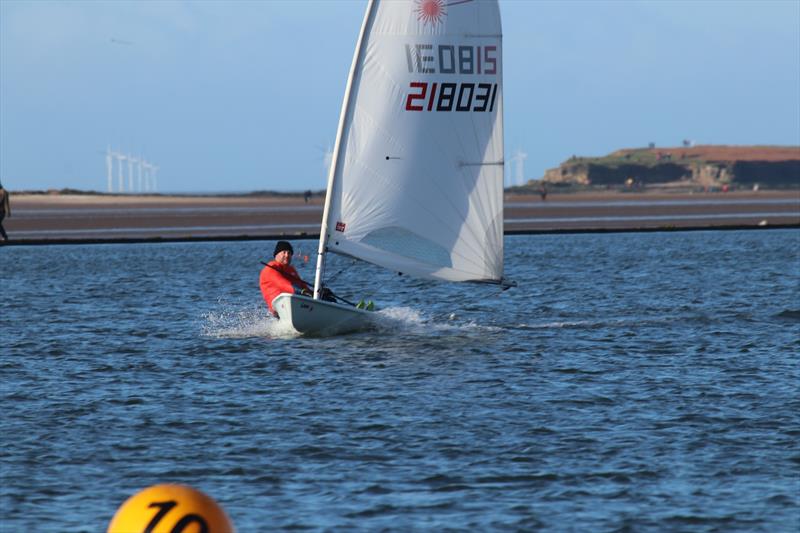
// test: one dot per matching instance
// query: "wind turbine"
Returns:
(131, 161)
(520, 158)
(120, 158)
(327, 160)
(140, 161)
(145, 168)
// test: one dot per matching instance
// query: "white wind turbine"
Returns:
(131, 161)
(140, 160)
(327, 160)
(145, 168)
(120, 158)
(520, 158)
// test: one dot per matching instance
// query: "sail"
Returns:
(417, 183)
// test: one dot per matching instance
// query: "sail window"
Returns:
(403, 242)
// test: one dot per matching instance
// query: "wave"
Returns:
(596, 324)
(789, 314)
(556, 325)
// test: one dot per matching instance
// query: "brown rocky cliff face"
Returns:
(706, 166)
(711, 175)
(597, 174)
(783, 173)
(573, 174)
(663, 173)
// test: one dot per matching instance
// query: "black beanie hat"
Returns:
(281, 246)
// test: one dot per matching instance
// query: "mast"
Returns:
(335, 169)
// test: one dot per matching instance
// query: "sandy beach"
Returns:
(51, 219)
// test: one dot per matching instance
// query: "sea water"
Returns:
(632, 381)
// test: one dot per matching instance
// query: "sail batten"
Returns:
(417, 185)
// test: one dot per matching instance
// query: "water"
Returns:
(631, 382)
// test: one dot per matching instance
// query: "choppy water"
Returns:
(631, 382)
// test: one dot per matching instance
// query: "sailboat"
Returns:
(416, 178)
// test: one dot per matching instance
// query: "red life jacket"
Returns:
(278, 279)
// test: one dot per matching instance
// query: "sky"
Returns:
(245, 95)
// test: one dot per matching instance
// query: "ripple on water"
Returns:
(622, 386)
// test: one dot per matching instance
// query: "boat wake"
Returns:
(236, 322)
(596, 324)
(565, 324)
(408, 320)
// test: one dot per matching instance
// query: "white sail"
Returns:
(417, 181)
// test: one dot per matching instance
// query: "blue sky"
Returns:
(245, 95)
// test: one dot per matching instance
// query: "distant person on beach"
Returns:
(307, 196)
(5, 209)
(280, 277)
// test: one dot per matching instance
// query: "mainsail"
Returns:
(416, 182)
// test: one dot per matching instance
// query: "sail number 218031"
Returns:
(455, 62)
(435, 96)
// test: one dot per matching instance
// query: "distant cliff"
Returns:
(703, 166)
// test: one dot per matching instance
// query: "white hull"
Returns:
(318, 317)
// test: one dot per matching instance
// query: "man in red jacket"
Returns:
(279, 276)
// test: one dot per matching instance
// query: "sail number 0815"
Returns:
(435, 96)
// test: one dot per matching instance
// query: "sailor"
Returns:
(279, 276)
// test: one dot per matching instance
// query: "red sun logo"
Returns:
(431, 11)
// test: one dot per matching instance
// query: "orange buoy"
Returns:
(170, 508)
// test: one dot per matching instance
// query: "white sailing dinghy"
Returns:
(416, 179)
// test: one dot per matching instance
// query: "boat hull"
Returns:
(318, 317)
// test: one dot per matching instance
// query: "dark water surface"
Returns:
(632, 381)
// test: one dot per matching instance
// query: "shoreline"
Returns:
(311, 236)
(120, 219)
